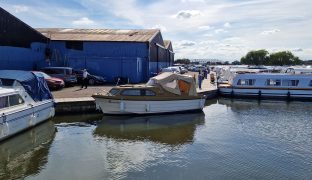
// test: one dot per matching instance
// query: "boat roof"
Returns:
(167, 77)
(275, 75)
(7, 91)
(35, 85)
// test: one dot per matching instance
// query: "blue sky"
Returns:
(223, 29)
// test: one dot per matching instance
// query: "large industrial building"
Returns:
(132, 54)
(21, 46)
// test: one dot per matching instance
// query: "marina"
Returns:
(230, 139)
(156, 90)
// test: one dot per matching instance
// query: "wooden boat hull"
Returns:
(124, 107)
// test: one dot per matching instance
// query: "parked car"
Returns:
(64, 73)
(92, 79)
(172, 69)
(184, 70)
(53, 83)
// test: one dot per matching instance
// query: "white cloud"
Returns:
(84, 21)
(227, 25)
(208, 35)
(186, 14)
(192, 1)
(205, 27)
(185, 43)
(159, 26)
(217, 31)
(297, 50)
(269, 32)
(20, 8)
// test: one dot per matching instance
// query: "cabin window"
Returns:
(113, 92)
(290, 82)
(310, 84)
(273, 82)
(131, 92)
(4, 102)
(246, 82)
(149, 93)
(138, 92)
(15, 99)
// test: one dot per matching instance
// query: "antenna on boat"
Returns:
(117, 82)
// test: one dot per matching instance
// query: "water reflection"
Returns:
(171, 129)
(276, 121)
(26, 154)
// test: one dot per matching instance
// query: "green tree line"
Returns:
(263, 57)
(182, 61)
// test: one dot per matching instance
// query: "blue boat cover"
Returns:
(35, 85)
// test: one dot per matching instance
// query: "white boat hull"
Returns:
(24, 117)
(110, 106)
(267, 93)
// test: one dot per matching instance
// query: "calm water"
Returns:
(230, 140)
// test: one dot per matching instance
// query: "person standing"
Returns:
(200, 79)
(205, 73)
(84, 79)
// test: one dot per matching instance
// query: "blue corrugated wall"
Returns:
(17, 58)
(108, 59)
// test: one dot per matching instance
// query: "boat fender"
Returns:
(122, 106)
(147, 108)
(288, 95)
(232, 93)
(7, 129)
(201, 103)
(259, 94)
(5, 126)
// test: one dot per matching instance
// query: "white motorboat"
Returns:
(165, 93)
(25, 101)
(287, 86)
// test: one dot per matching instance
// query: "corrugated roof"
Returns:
(134, 35)
(167, 43)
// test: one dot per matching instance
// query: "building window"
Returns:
(76, 45)
(246, 82)
(273, 82)
(288, 82)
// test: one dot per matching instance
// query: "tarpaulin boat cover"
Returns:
(167, 81)
(35, 85)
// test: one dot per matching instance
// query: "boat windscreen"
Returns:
(151, 82)
(35, 85)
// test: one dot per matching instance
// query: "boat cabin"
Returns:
(271, 80)
(165, 85)
(9, 98)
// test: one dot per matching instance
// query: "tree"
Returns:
(284, 58)
(226, 63)
(182, 61)
(262, 57)
(236, 63)
(259, 57)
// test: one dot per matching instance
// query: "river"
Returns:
(230, 139)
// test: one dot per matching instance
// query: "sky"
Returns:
(198, 29)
